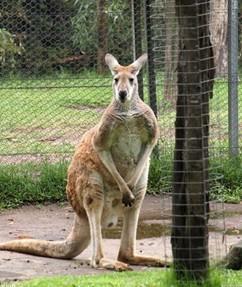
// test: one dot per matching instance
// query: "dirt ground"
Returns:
(54, 222)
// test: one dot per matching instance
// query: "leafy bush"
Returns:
(229, 187)
(225, 178)
(8, 50)
(119, 28)
(160, 172)
(43, 28)
(53, 31)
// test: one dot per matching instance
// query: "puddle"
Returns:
(149, 230)
(144, 231)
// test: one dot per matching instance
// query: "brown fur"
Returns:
(107, 178)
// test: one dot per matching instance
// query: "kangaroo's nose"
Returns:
(122, 95)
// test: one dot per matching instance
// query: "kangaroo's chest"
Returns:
(128, 143)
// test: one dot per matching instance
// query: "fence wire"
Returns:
(55, 85)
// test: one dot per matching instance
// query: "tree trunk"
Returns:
(102, 34)
(190, 191)
(219, 31)
(240, 31)
(136, 6)
(150, 50)
(171, 53)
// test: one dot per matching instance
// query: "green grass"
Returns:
(217, 278)
(225, 175)
(32, 183)
(49, 114)
(227, 188)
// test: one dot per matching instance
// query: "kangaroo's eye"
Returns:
(116, 80)
(131, 80)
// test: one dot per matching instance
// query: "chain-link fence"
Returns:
(55, 85)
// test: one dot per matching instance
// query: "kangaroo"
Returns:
(107, 178)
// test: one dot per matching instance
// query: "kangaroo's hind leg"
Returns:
(94, 204)
(130, 224)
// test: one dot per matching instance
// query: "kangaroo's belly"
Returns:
(126, 152)
(127, 148)
(113, 208)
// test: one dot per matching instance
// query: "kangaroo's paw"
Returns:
(144, 261)
(128, 199)
(112, 265)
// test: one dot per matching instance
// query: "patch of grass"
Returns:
(160, 172)
(225, 181)
(158, 278)
(49, 115)
(45, 182)
(32, 183)
(229, 187)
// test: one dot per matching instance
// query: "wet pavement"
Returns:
(54, 222)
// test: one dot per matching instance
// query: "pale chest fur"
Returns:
(128, 142)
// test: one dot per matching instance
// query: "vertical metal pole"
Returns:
(133, 29)
(151, 66)
(137, 38)
(233, 48)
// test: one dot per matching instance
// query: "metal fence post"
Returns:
(136, 6)
(233, 48)
(151, 66)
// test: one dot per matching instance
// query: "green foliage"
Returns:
(43, 28)
(225, 194)
(52, 31)
(160, 172)
(240, 32)
(225, 183)
(119, 28)
(85, 33)
(32, 183)
(229, 187)
(45, 182)
(8, 50)
(48, 34)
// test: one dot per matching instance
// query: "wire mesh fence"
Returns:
(54, 83)
(55, 86)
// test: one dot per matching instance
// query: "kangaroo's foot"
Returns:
(143, 261)
(110, 264)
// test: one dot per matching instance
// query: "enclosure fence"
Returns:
(54, 83)
(54, 86)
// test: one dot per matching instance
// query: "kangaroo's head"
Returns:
(125, 84)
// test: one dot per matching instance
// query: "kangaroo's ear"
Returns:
(138, 64)
(112, 63)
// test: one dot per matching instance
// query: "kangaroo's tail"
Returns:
(73, 245)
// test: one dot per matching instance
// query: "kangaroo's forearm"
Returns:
(140, 166)
(108, 162)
